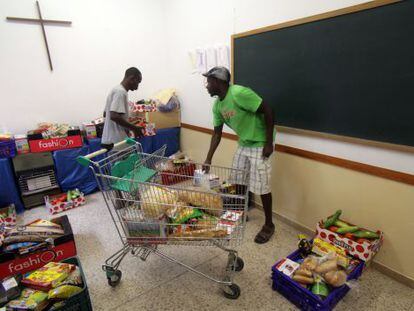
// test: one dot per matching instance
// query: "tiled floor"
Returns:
(157, 284)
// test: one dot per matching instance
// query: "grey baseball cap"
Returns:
(221, 73)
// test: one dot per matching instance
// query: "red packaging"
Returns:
(8, 215)
(364, 249)
(64, 247)
(63, 205)
(59, 143)
(171, 177)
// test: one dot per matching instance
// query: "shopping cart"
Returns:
(155, 201)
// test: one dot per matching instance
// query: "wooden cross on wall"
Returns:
(42, 23)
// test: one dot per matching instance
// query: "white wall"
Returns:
(108, 36)
(89, 57)
(194, 23)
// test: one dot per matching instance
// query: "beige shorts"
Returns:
(259, 168)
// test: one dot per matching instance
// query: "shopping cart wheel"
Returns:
(232, 291)
(239, 265)
(114, 278)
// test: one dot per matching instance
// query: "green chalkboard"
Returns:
(350, 75)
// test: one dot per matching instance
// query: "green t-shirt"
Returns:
(238, 111)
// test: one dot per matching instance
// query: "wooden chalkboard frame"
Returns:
(335, 13)
(373, 170)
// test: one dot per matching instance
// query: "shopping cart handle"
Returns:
(86, 159)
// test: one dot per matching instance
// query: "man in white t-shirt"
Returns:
(117, 127)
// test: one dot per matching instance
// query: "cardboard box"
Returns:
(90, 130)
(164, 120)
(8, 215)
(364, 251)
(61, 207)
(142, 107)
(64, 247)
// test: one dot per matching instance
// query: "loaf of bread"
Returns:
(156, 200)
(201, 234)
(208, 200)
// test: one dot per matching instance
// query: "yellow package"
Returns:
(64, 292)
(48, 276)
(323, 248)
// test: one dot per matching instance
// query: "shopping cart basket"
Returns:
(155, 201)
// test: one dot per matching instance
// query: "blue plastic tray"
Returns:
(304, 298)
(8, 149)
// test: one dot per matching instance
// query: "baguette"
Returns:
(330, 265)
(302, 279)
(304, 272)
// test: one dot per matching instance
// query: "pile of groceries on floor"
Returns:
(319, 273)
(39, 269)
(51, 287)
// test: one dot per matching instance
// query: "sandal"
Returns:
(264, 234)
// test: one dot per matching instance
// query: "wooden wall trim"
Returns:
(352, 165)
(207, 131)
(335, 13)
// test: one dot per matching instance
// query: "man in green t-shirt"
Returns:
(244, 111)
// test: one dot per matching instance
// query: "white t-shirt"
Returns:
(116, 101)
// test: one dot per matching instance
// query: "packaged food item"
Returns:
(29, 299)
(229, 226)
(287, 266)
(304, 272)
(16, 246)
(304, 245)
(29, 249)
(320, 289)
(186, 213)
(22, 144)
(228, 188)
(57, 305)
(74, 278)
(23, 238)
(210, 201)
(49, 276)
(9, 289)
(156, 200)
(90, 130)
(35, 230)
(201, 234)
(173, 210)
(303, 279)
(206, 180)
(206, 221)
(234, 216)
(353, 263)
(64, 292)
(335, 278)
(329, 265)
(310, 263)
(44, 223)
(323, 248)
(8, 215)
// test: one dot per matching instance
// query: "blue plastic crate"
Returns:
(7, 149)
(304, 298)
